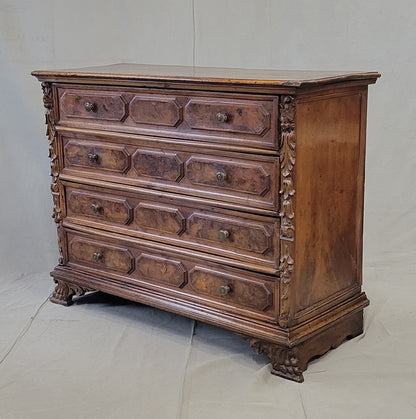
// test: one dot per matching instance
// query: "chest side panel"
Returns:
(329, 192)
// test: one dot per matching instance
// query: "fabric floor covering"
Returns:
(105, 357)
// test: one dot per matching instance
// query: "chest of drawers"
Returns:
(233, 197)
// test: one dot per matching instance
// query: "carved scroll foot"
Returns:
(64, 291)
(290, 363)
(286, 363)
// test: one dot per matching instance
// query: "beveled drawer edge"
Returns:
(191, 199)
(158, 246)
(215, 316)
(166, 140)
(178, 294)
(163, 139)
(262, 266)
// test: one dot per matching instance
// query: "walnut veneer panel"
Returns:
(245, 237)
(233, 197)
(234, 179)
(228, 118)
(229, 289)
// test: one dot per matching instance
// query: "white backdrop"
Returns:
(371, 35)
(322, 35)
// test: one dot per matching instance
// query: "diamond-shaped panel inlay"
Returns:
(155, 164)
(160, 269)
(161, 218)
(155, 110)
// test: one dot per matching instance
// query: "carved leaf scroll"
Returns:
(287, 163)
(287, 202)
(285, 361)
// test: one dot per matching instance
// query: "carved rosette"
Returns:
(286, 363)
(287, 202)
(64, 291)
(56, 187)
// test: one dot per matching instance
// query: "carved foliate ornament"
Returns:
(64, 291)
(287, 202)
(287, 163)
(285, 361)
(56, 187)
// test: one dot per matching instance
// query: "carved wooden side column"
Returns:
(287, 362)
(287, 205)
(64, 291)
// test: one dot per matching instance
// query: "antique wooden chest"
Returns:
(231, 196)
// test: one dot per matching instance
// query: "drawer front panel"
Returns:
(215, 283)
(242, 235)
(233, 116)
(230, 234)
(110, 106)
(250, 178)
(107, 208)
(229, 178)
(226, 288)
(95, 254)
(240, 119)
(96, 156)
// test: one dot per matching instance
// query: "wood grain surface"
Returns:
(229, 196)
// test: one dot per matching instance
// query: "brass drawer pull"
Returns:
(97, 257)
(221, 117)
(221, 176)
(223, 235)
(95, 208)
(224, 290)
(93, 158)
(90, 107)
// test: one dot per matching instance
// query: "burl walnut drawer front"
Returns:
(240, 178)
(231, 234)
(230, 118)
(227, 288)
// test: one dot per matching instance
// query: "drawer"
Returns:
(240, 119)
(207, 283)
(228, 178)
(228, 233)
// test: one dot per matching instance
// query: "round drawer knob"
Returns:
(223, 235)
(221, 176)
(93, 158)
(89, 106)
(224, 290)
(221, 117)
(95, 208)
(97, 257)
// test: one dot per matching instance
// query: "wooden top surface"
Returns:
(189, 74)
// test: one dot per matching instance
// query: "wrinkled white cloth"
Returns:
(105, 357)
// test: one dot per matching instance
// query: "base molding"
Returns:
(291, 362)
(289, 350)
